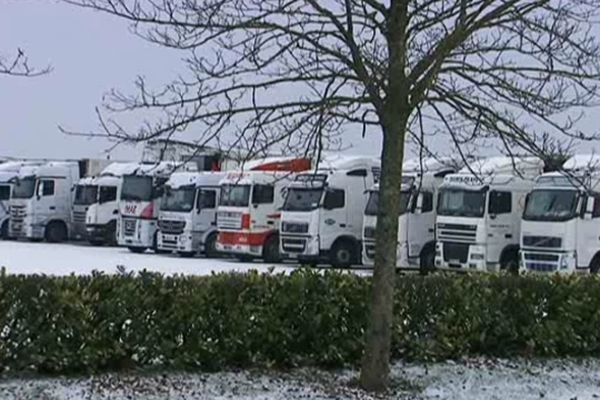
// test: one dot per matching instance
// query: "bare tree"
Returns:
(297, 74)
(18, 65)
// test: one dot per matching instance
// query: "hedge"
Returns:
(111, 322)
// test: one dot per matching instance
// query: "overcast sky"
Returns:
(91, 53)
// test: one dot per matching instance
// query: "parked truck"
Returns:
(322, 216)
(249, 215)
(561, 221)
(479, 214)
(188, 213)
(86, 194)
(421, 180)
(9, 170)
(42, 199)
(102, 215)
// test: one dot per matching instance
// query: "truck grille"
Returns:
(17, 216)
(79, 217)
(293, 245)
(369, 232)
(454, 252)
(294, 227)
(541, 262)
(229, 220)
(457, 233)
(129, 226)
(370, 250)
(542, 241)
(171, 227)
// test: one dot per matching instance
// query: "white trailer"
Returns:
(421, 180)
(249, 216)
(42, 199)
(561, 222)
(322, 217)
(188, 213)
(479, 214)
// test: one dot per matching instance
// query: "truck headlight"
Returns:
(477, 256)
(564, 261)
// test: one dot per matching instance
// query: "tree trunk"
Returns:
(375, 367)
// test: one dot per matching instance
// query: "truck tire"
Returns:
(595, 265)
(510, 262)
(56, 232)
(343, 254)
(427, 260)
(271, 250)
(137, 250)
(210, 246)
(4, 230)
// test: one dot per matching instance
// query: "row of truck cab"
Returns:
(499, 213)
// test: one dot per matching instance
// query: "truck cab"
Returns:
(249, 212)
(479, 214)
(102, 216)
(188, 213)
(41, 202)
(322, 217)
(8, 172)
(561, 220)
(139, 205)
(421, 180)
(86, 194)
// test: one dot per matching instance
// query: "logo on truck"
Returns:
(130, 208)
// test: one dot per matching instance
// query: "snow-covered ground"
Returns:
(474, 380)
(79, 258)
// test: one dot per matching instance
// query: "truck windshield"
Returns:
(551, 205)
(373, 203)
(85, 195)
(181, 199)
(462, 203)
(298, 199)
(24, 188)
(235, 195)
(137, 188)
(4, 192)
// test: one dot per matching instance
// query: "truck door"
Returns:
(500, 224)
(587, 237)
(333, 217)
(264, 216)
(206, 204)
(45, 204)
(421, 224)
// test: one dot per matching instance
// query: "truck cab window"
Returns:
(262, 194)
(207, 199)
(500, 202)
(358, 172)
(334, 198)
(427, 202)
(47, 187)
(4, 192)
(107, 193)
(596, 210)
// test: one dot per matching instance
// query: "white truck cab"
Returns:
(139, 202)
(102, 215)
(322, 217)
(561, 222)
(249, 215)
(188, 213)
(8, 172)
(421, 180)
(42, 199)
(479, 214)
(86, 194)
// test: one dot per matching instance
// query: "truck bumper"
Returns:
(182, 243)
(302, 248)
(242, 243)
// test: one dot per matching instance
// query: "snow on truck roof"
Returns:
(513, 166)
(583, 162)
(179, 179)
(120, 169)
(429, 165)
(345, 162)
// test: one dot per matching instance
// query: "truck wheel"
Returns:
(137, 250)
(210, 247)
(427, 260)
(510, 263)
(4, 230)
(56, 232)
(595, 265)
(271, 250)
(343, 254)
